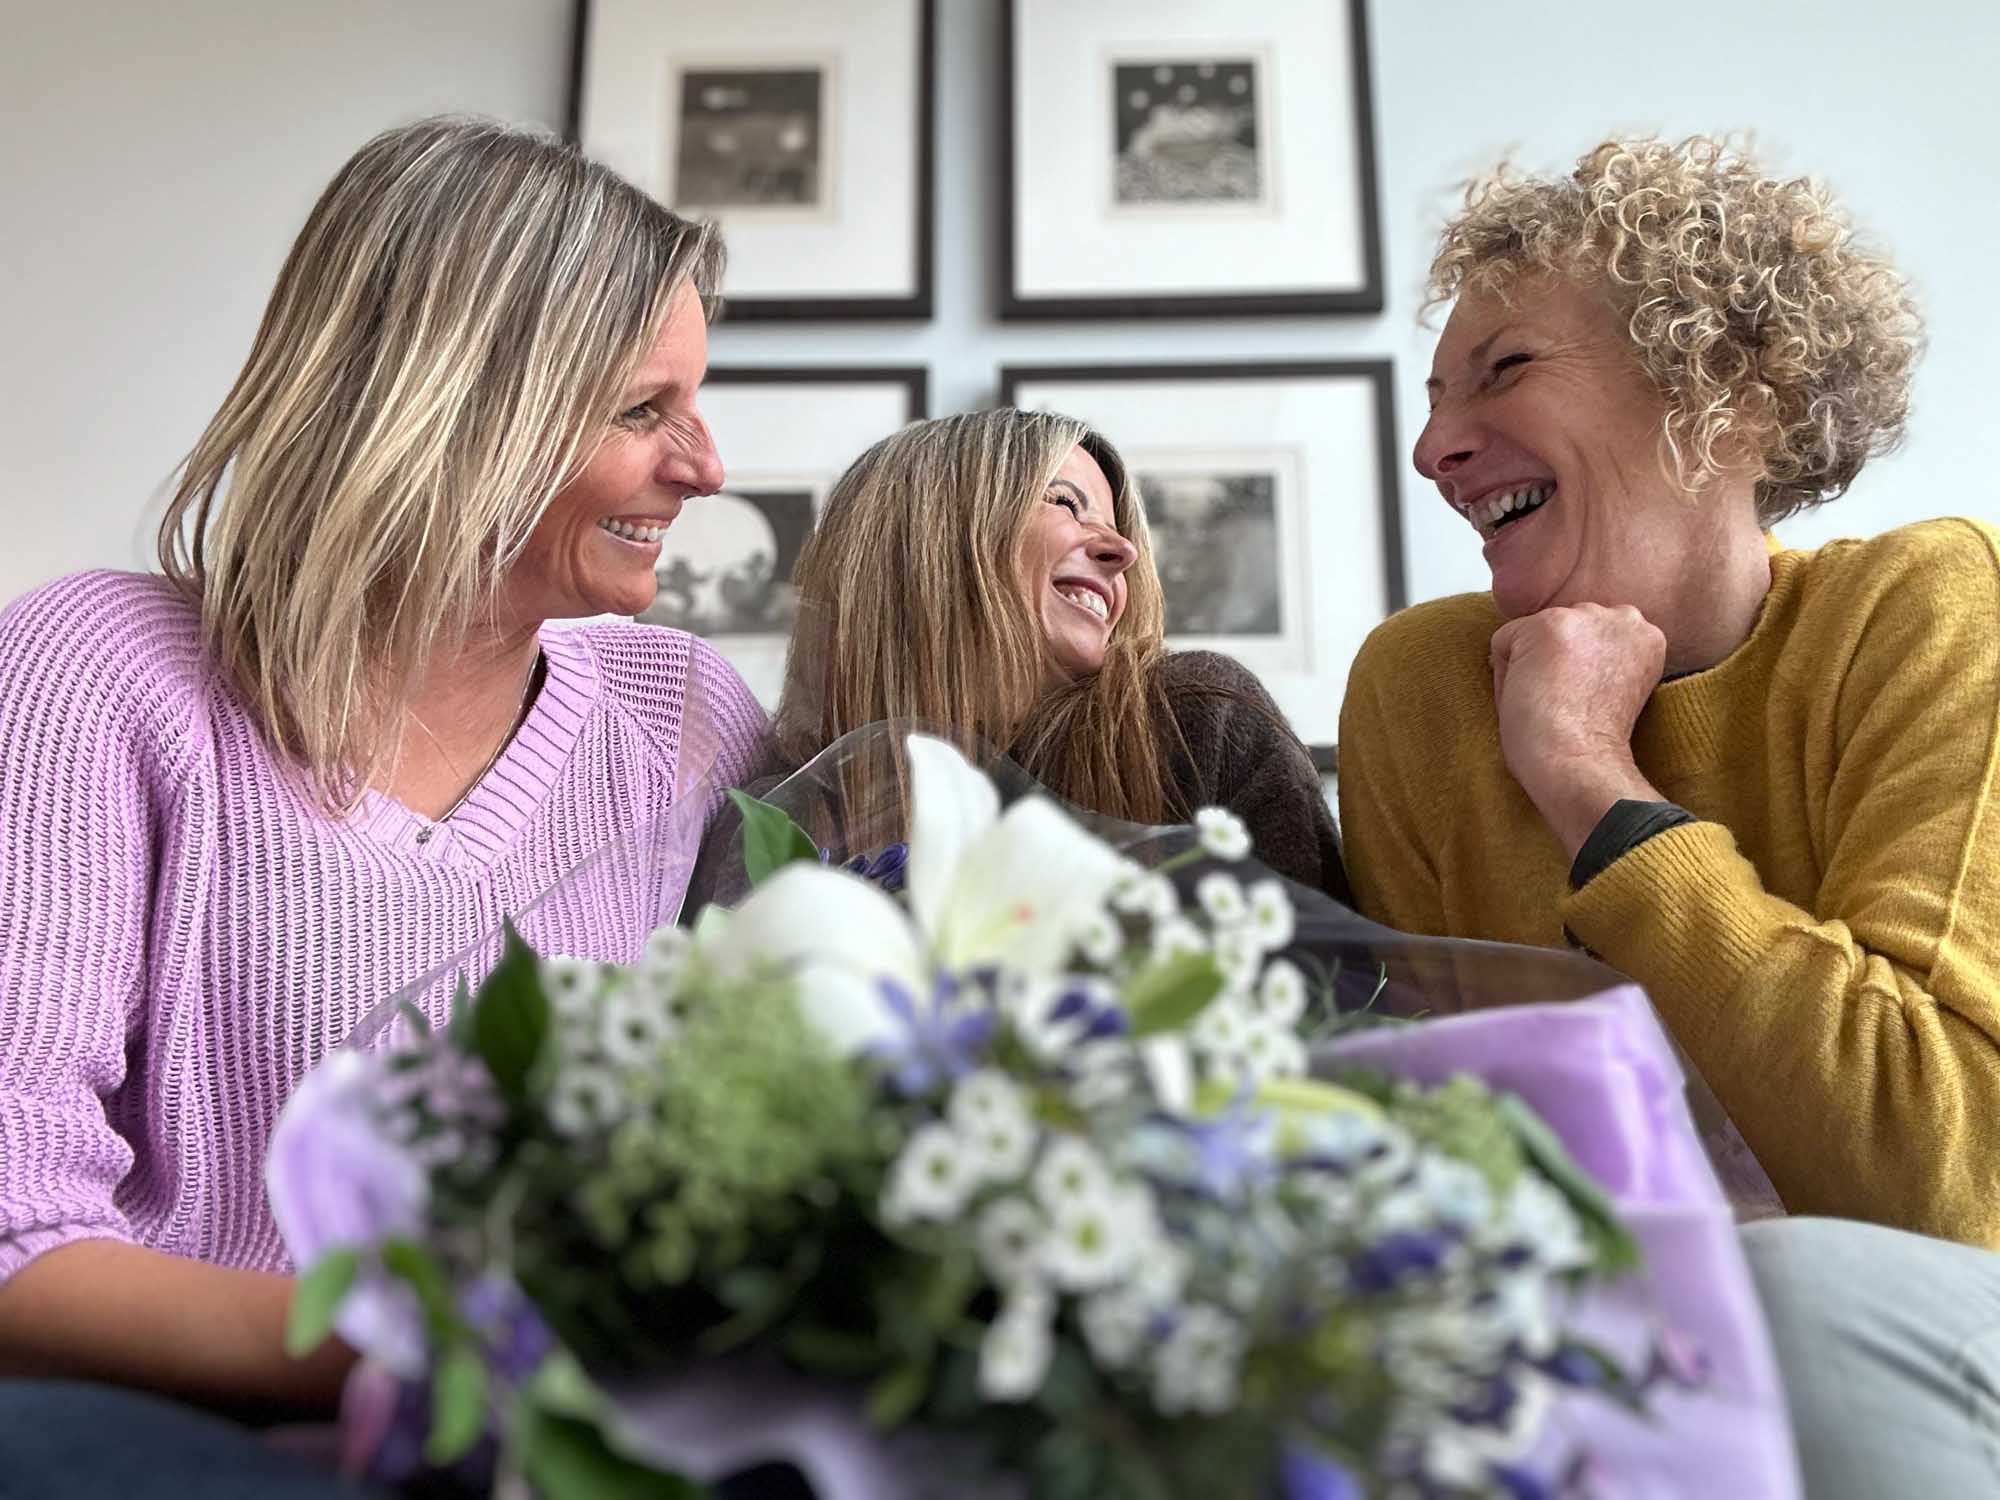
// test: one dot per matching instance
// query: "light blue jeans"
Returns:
(1890, 1347)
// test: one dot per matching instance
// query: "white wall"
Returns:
(157, 159)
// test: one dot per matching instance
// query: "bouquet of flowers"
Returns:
(998, 1139)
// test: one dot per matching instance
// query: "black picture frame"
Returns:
(1013, 305)
(1379, 374)
(919, 305)
(915, 379)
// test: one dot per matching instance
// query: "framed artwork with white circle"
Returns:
(785, 435)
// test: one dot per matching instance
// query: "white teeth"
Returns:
(633, 533)
(1085, 599)
(1487, 514)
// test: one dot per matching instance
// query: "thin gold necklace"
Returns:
(520, 716)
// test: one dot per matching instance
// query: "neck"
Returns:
(465, 706)
(1719, 607)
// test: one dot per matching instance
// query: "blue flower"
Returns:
(1232, 1149)
(1305, 1473)
(1384, 1267)
(940, 1046)
(887, 867)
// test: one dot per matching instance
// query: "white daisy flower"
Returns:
(1115, 1323)
(1070, 1172)
(1103, 1072)
(1196, 1368)
(1239, 955)
(586, 1099)
(1094, 1240)
(1458, 1194)
(634, 1026)
(1540, 1218)
(1101, 939)
(932, 1177)
(1151, 896)
(1014, 1355)
(571, 983)
(1222, 1027)
(1221, 896)
(1272, 1051)
(1271, 916)
(1175, 936)
(1160, 1274)
(1222, 833)
(666, 953)
(990, 1114)
(1281, 994)
(1009, 1236)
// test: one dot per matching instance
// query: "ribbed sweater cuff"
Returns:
(1686, 915)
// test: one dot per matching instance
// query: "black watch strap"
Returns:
(1623, 828)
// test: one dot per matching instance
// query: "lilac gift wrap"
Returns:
(1601, 1072)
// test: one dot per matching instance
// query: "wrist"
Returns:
(1576, 795)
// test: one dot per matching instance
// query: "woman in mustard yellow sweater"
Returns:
(1759, 781)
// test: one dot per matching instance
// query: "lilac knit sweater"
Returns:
(182, 934)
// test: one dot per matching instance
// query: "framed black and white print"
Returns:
(1205, 158)
(1271, 501)
(785, 436)
(805, 131)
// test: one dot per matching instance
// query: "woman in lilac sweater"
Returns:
(337, 741)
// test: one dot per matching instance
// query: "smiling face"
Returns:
(594, 550)
(1073, 563)
(1545, 434)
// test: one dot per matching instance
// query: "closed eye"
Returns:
(1508, 362)
(1067, 501)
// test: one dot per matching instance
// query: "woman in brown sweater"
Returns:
(988, 576)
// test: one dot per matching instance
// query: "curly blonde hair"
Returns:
(1765, 323)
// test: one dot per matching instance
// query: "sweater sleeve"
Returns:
(734, 738)
(81, 705)
(1242, 756)
(1387, 778)
(1857, 1044)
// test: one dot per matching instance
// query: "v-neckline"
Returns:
(482, 828)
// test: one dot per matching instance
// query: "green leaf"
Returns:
(561, 1456)
(771, 840)
(510, 1019)
(316, 1296)
(1612, 1380)
(412, 1263)
(1616, 1249)
(458, 1405)
(894, 1397)
(828, 1351)
(1170, 994)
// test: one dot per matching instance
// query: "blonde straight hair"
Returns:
(444, 349)
(912, 606)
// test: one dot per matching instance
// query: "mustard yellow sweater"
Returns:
(1825, 940)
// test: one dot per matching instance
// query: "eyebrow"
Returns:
(1476, 353)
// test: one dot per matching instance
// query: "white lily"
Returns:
(1014, 889)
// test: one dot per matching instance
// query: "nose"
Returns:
(1447, 444)
(1114, 550)
(694, 463)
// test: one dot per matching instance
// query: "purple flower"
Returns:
(1519, 1483)
(1385, 1266)
(941, 1045)
(337, 1180)
(1232, 1149)
(1306, 1473)
(887, 867)
(511, 1331)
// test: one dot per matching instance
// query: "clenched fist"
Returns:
(1569, 684)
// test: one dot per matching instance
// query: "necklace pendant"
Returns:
(424, 833)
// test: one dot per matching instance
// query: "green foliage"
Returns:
(510, 1019)
(316, 1297)
(1463, 1119)
(566, 1456)
(1168, 995)
(771, 840)
(459, 1393)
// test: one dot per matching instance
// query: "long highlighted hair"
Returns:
(912, 606)
(444, 350)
